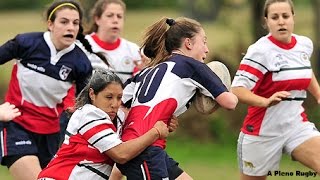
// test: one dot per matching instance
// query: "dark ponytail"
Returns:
(87, 46)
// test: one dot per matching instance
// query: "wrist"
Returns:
(158, 132)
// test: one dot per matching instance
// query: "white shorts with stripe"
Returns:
(258, 155)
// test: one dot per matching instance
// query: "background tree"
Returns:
(316, 8)
(257, 22)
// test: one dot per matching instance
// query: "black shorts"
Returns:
(17, 142)
(152, 164)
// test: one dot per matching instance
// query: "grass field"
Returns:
(227, 38)
(209, 161)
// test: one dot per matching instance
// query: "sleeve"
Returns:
(11, 49)
(252, 68)
(209, 83)
(83, 74)
(128, 91)
(98, 130)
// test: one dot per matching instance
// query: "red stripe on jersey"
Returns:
(70, 100)
(14, 94)
(145, 167)
(137, 123)
(33, 118)
(96, 129)
(253, 120)
(268, 87)
(251, 70)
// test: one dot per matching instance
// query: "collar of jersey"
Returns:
(106, 45)
(55, 55)
(284, 45)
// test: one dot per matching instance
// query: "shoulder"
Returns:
(130, 44)
(29, 38)
(90, 112)
(304, 40)
(261, 45)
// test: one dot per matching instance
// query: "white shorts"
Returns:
(259, 155)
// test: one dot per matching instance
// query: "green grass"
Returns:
(208, 161)
(214, 161)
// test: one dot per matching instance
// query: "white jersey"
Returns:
(268, 67)
(121, 55)
(91, 133)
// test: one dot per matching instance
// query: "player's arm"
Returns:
(314, 88)
(227, 100)
(125, 151)
(246, 96)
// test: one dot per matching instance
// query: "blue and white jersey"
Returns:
(162, 91)
(41, 78)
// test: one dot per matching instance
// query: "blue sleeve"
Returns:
(84, 72)
(209, 80)
(11, 49)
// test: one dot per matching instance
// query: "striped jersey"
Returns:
(270, 66)
(90, 133)
(41, 78)
(121, 55)
(162, 91)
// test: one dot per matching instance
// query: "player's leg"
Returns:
(18, 152)
(304, 146)
(258, 156)
(175, 172)
(25, 168)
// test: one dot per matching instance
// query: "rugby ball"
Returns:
(205, 104)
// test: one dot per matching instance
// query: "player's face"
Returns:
(199, 48)
(280, 21)
(65, 28)
(109, 99)
(111, 22)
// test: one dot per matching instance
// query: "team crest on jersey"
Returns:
(304, 56)
(64, 72)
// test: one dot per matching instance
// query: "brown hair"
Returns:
(269, 2)
(98, 10)
(159, 41)
(54, 7)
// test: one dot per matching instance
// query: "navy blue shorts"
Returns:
(17, 142)
(152, 164)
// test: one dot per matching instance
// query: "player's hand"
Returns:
(141, 64)
(8, 112)
(173, 124)
(276, 98)
(162, 129)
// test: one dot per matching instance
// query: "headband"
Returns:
(63, 4)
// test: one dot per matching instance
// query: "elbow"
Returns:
(231, 105)
(228, 101)
(121, 159)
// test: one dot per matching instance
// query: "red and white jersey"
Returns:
(270, 66)
(90, 133)
(165, 90)
(121, 55)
